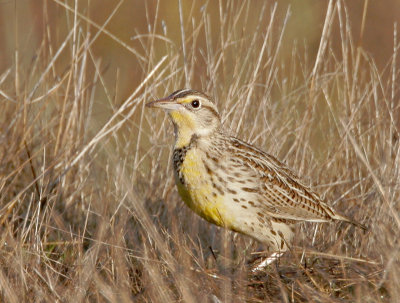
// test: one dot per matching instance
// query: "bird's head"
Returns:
(192, 112)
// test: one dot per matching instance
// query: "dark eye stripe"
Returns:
(193, 93)
(212, 110)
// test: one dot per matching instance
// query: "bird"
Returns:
(233, 184)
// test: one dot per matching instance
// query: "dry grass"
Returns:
(89, 211)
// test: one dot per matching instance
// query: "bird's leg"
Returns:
(212, 252)
(272, 258)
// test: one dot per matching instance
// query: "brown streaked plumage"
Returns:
(233, 184)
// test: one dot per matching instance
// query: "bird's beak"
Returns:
(164, 103)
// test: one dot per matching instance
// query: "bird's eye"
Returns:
(195, 103)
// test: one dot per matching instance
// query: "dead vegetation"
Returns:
(88, 207)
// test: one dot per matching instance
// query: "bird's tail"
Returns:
(351, 221)
(336, 216)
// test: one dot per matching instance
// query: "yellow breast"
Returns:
(197, 192)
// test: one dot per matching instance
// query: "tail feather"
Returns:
(346, 219)
(334, 215)
(355, 223)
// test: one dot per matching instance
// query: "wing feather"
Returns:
(280, 188)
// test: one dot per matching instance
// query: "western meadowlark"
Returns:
(233, 184)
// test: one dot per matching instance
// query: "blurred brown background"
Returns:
(23, 28)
